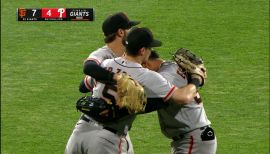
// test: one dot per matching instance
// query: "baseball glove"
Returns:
(190, 63)
(131, 94)
(94, 107)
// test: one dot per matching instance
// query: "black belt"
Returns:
(176, 138)
(107, 128)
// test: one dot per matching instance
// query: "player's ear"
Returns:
(120, 32)
(144, 64)
(142, 51)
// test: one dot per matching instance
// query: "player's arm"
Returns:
(83, 88)
(187, 93)
(154, 104)
(87, 84)
(180, 96)
(93, 69)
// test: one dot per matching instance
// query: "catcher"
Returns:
(138, 50)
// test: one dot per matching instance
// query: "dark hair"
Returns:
(131, 52)
(110, 38)
(154, 55)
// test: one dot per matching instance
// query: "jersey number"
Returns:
(110, 93)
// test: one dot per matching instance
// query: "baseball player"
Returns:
(187, 125)
(114, 28)
(112, 137)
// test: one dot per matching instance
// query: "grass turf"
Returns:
(41, 66)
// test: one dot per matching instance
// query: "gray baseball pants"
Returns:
(198, 141)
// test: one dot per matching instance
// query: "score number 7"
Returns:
(34, 12)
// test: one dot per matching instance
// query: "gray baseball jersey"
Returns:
(98, 56)
(101, 54)
(186, 124)
(176, 118)
(87, 136)
(147, 78)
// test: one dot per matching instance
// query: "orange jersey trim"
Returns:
(88, 86)
(169, 94)
(93, 59)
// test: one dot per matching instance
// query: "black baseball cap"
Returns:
(140, 37)
(118, 20)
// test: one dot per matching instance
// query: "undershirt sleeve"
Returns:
(154, 104)
(83, 88)
(93, 69)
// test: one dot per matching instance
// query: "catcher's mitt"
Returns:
(94, 107)
(131, 94)
(190, 63)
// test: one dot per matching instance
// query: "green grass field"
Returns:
(41, 67)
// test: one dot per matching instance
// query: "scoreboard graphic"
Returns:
(55, 14)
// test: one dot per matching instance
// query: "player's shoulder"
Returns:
(101, 54)
(168, 65)
(152, 75)
(101, 50)
(108, 61)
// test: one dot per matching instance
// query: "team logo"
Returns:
(22, 13)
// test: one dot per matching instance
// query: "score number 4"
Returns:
(53, 13)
